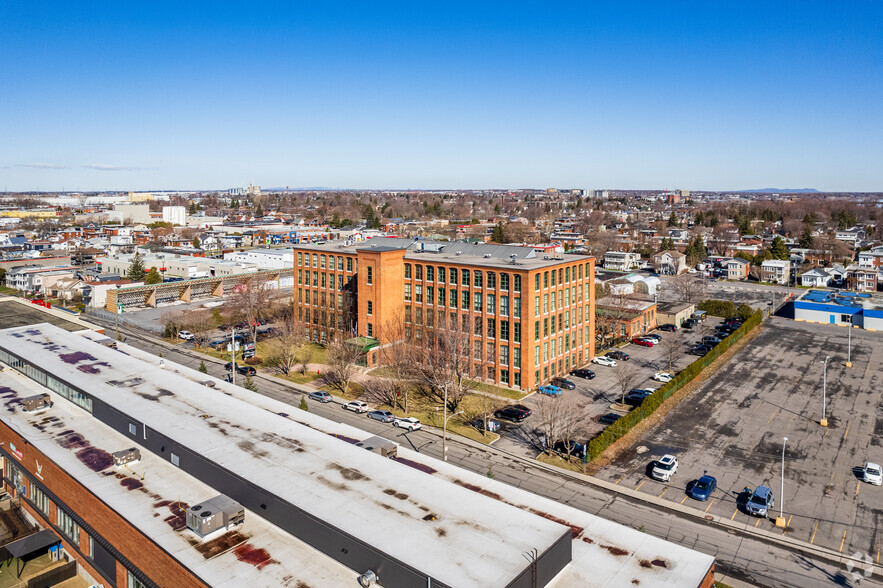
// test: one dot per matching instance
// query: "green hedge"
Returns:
(655, 400)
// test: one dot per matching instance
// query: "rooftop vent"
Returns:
(126, 383)
(459, 253)
(487, 255)
(220, 512)
(126, 456)
(36, 403)
(513, 258)
(380, 446)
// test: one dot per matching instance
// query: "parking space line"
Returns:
(620, 479)
(772, 416)
(641, 484)
(858, 486)
(684, 500)
(788, 524)
(878, 555)
(758, 522)
(847, 431)
(814, 529)
(735, 512)
(664, 490)
(842, 541)
(709, 504)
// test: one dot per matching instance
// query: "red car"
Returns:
(642, 342)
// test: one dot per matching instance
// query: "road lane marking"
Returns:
(641, 484)
(709, 504)
(735, 512)
(847, 431)
(684, 500)
(772, 416)
(842, 541)
(814, 529)
(878, 555)
(663, 492)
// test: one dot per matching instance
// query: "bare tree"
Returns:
(688, 288)
(559, 420)
(201, 324)
(305, 356)
(626, 373)
(673, 348)
(399, 362)
(341, 366)
(252, 300)
(283, 349)
(611, 313)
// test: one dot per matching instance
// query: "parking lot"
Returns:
(596, 395)
(733, 426)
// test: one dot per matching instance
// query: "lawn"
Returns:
(574, 465)
(505, 393)
(299, 378)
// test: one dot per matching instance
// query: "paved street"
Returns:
(750, 558)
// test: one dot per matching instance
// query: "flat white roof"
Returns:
(488, 525)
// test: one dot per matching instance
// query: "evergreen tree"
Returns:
(806, 239)
(202, 367)
(699, 219)
(196, 244)
(713, 221)
(743, 223)
(497, 234)
(259, 210)
(699, 246)
(673, 220)
(136, 269)
(667, 244)
(811, 218)
(193, 208)
(249, 384)
(778, 250)
(303, 404)
(761, 257)
(152, 277)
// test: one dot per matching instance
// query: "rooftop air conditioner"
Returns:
(126, 456)
(36, 403)
(220, 512)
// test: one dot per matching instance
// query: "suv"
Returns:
(549, 390)
(514, 413)
(710, 341)
(761, 501)
(618, 355)
(563, 383)
(872, 474)
(636, 397)
(665, 468)
(668, 327)
(688, 324)
(583, 373)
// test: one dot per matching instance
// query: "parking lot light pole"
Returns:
(849, 344)
(824, 421)
(780, 520)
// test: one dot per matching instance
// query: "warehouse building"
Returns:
(859, 309)
(130, 462)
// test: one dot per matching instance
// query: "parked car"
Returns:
(664, 468)
(668, 327)
(563, 383)
(636, 397)
(710, 341)
(570, 447)
(643, 342)
(653, 337)
(384, 416)
(583, 373)
(618, 355)
(872, 473)
(409, 423)
(186, 335)
(549, 390)
(688, 324)
(700, 350)
(245, 370)
(734, 321)
(761, 501)
(702, 488)
(322, 397)
(512, 413)
(604, 360)
(492, 425)
(356, 406)
(663, 377)
(609, 418)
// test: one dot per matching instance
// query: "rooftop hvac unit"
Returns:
(220, 512)
(380, 446)
(35, 403)
(126, 456)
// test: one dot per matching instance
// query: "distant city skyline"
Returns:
(110, 96)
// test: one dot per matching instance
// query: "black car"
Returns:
(512, 413)
(245, 370)
(609, 418)
(668, 327)
(618, 355)
(700, 350)
(688, 324)
(710, 341)
(583, 373)
(563, 383)
(636, 397)
(570, 447)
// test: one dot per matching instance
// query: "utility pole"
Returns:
(849, 344)
(233, 355)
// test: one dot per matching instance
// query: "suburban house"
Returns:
(817, 277)
(861, 279)
(736, 268)
(775, 271)
(872, 258)
(670, 263)
(621, 260)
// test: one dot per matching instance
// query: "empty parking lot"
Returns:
(733, 427)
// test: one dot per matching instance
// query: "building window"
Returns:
(133, 582)
(370, 308)
(504, 305)
(441, 296)
(418, 315)
(67, 526)
(176, 461)
(133, 430)
(464, 277)
(300, 258)
(518, 379)
(536, 354)
(349, 264)
(477, 279)
(491, 303)
(340, 282)
(369, 275)
(464, 299)
(516, 307)
(491, 280)
(453, 298)
(545, 303)
(340, 264)
(370, 330)
(516, 334)
(536, 280)
(517, 287)
(407, 271)
(504, 281)
(504, 376)
(418, 293)
(491, 328)
(430, 294)
(516, 357)
(430, 273)
(39, 499)
(322, 265)
(418, 271)
(476, 301)
(504, 330)
(441, 274)
(407, 292)
(315, 260)
(504, 355)
(407, 314)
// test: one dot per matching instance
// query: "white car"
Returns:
(604, 360)
(409, 423)
(872, 474)
(663, 377)
(186, 335)
(356, 406)
(665, 468)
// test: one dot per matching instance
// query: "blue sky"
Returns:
(156, 95)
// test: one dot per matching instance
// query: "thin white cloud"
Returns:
(108, 167)
(38, 165)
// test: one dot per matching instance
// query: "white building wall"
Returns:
(174, 214)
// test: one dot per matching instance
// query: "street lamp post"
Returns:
(780, 521)
(849, 344)
(445, 420)
(824, 421)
